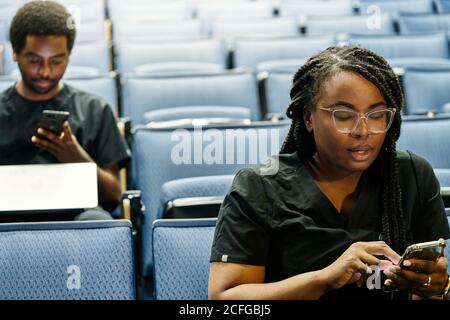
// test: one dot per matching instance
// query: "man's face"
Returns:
(42, 62)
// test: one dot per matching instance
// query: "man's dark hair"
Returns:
(305, 91)
(41, 18)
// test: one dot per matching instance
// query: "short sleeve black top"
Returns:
(285, 223)
(91, 120)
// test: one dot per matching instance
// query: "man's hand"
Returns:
(64, 147)
(420, 277)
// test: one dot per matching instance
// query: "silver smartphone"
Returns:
(431, 250)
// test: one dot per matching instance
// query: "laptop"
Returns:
(48, 187)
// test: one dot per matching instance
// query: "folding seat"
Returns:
(428, 137)
(420, 51)
(344, 25)
(67, 261)
(145, 31)
(196, 197)
(273, 27)
(395, 7)
(426, 90)
(181, 250)
(248, 52)
(143, 10)
(162, 155)
(90, 31)
(229, 88)
(192, 113)
(209, 11)
(85, 10)
(317, 8)
(277, 86)
(103, 86)
(423, 23)
(130, 55)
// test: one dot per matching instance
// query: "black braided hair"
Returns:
(304, 93)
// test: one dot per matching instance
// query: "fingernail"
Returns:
(407, 263)
(387, 283)
(40, 130)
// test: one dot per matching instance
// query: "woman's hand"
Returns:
(420, 277)
(356, 262)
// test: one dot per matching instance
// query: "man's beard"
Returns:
(29, 83)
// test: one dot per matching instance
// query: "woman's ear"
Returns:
(307, 117)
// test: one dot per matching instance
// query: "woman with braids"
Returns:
(344, 202)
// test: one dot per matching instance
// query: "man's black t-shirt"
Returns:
(285, 223)
(91, 120)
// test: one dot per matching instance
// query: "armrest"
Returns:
(133, 209)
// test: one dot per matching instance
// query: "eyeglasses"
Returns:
(346, 121)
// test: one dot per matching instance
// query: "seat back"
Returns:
(162, 155)
(230, 29)
(359, 24)
(230, 88)
(277, 87)
(103, 86)
(397, 6)
(85, 11)
(194, 188)
(129, 55)
(248, 52)
(426, 90)
(67, 261)
(428, 137)
(126, 30)
(423, 23)
(181, 250)
(424, 46)
(308, 7)
(144, 10)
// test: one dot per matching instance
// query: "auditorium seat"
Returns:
(428, 138)
(248, 52)
(162, 155)
(395, 7)
(426, 90)
(131, 54)
(189, 196)
(67, 261)
(430, 50)
(424, 23)
(147, 93)
(181, 250)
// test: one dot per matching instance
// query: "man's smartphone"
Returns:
(53, 120)
(432, 251)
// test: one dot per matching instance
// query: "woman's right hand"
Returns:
(354, 263)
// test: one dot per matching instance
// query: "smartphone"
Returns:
(52, 120)
(424, 251)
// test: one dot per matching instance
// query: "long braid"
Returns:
(306, 86)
